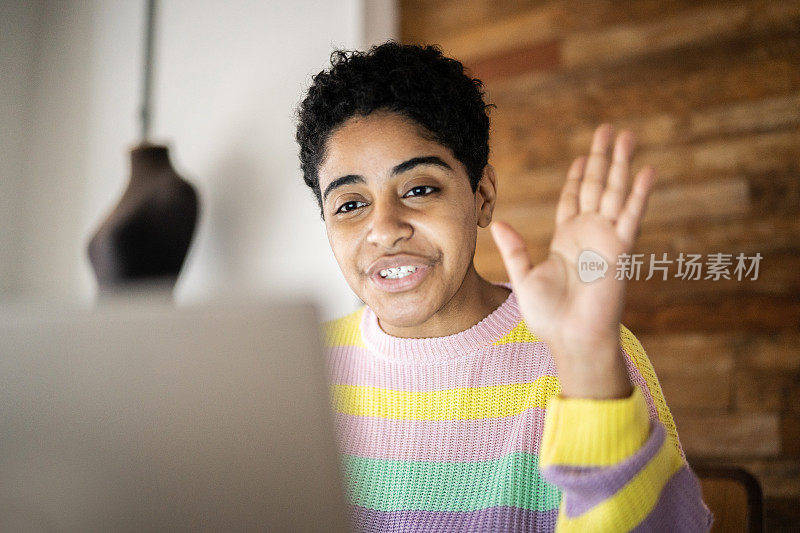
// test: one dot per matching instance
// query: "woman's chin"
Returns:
(400, 318)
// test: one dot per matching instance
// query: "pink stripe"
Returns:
(499, 365)
(421, 440)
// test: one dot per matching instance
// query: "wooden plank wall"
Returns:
(712, 90)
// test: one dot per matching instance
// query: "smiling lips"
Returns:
(419, 266)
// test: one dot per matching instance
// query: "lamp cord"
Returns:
(147, 78)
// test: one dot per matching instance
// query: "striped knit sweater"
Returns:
(468, 433)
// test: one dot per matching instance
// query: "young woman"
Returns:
(461, 404)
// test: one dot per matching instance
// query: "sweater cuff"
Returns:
(585, 432)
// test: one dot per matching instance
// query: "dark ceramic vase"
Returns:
(145, 238)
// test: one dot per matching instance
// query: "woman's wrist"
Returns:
(598, 372)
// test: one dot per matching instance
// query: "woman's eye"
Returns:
(348, 206)
(423, 192)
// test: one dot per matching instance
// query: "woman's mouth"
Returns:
(398, 272)
(399, 279)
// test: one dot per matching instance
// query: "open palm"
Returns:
(596, 212)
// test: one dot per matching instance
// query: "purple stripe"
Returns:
(497, 365)
(588, 486)
(680, 507)
(507, 519)
(421, 440)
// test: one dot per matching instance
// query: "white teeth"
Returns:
(398, 272)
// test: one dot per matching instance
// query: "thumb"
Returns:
(513, 250)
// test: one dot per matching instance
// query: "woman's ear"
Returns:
(486, 196)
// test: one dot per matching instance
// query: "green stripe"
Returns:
(390, 485)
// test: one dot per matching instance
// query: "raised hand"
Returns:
(580, 320)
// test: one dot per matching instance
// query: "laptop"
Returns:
(137, 417)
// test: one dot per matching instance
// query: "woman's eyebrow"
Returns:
(338, 182)
(416, 161)
(405, 166)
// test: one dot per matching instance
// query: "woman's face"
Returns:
(394, 198)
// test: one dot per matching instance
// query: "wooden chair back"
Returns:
(735, 498)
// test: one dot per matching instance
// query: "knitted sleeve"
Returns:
(619, 463)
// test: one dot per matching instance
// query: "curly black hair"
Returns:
(418, 82)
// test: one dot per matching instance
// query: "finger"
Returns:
(568, 201)
(513, 250)
(631, 216)
(596, 167)
(616, 187)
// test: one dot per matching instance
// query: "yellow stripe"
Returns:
(344, 331)
(586, 432)
(520, 333)
(628, 507)
(634, 349)
(451, 404)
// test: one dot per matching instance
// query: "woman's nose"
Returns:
(388, 225)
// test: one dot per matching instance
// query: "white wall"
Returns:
(228, 76)
(19, 26)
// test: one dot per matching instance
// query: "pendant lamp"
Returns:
(145, 238)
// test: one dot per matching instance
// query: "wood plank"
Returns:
(690, 353)
(427, 21)
(621, 42)
(777, 275)
(742, 312)
(700, 24)
(775, 154)
(793, 396)
(471, 29)
(517, 32)
(707, 124)
(790, 434)
(694, 368)
(722, 434)
(777, 233)
(745, 67)
(761, 389)
(772, 353)
(751, 116)
(450, 20)
(693, 391)
(538, 56)
(719, 198)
